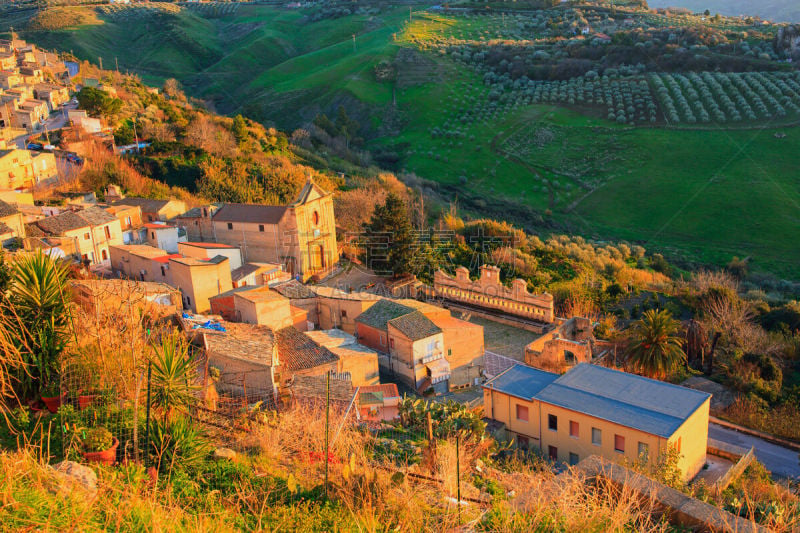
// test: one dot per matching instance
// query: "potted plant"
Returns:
(99, 446)
(52, 397)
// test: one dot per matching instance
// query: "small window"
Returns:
(152, 234)
(522, 413)
(644, 451)
(86, 236)
(569, 357)
(678, 446)
(522, 442)
(619, 443)
(391, 343)
(597, 437)
(128, 221)
(552, 452)
(261, 227)
(149, 218)
(573, 459)
(344, 313)
(108, 232)
(188, 301)
(163, 271)
(552, 422)
(230, 225)
(573, 429)
(315, 218)
(383, 342)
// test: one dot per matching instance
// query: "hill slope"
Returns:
(775, 10)
(713, 177)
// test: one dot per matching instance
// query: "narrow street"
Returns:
(782, 462)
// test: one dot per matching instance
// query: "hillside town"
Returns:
(316, 343)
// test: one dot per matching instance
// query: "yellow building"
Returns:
(92, 230)
(11, 223)
(593, 410)
(199, 280)
(300, 236)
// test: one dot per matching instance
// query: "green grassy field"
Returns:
(708, 193)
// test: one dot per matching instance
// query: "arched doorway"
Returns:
(318, 257)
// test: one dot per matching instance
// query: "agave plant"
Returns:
(176, 441)
(37, 304)
(173, 380)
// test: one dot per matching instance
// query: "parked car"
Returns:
(34, 146)
(74, 159)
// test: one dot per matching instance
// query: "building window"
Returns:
(391, 343)
(522, 442)
(105, 255)
(573, 429)
(573, 459)
(343, 313)
(108, 232)
(383, 343)
(569, 357)
(149, 218)
(522, 413)
(449, 352)
(261, 227)
(315, 218)
(597, 437)
(619, 443)
(644, 451)
(552, 422)
(128, 222)
(152, 234)
(188, 301)
(230, 225)
(552, 452)
(86, 236)
(163, 271)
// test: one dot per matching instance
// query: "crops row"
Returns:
(213, 9)
(727, 97)
(126, 11)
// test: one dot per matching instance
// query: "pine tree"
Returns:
(391, 224)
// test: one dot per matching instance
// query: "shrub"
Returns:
(97, 439)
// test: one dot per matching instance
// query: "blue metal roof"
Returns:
(521, 381)
(626, 399)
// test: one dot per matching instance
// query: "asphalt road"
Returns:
(782, 462)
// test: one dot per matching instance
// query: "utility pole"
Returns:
(327, 419)
(116, 63)
(354, 42)
(101, 62)
(135, 136)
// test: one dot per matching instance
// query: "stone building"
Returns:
(488, 292)
(571, 343)
(300, 236)
(92, 230)
(152, 210)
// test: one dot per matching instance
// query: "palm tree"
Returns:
(655, 344)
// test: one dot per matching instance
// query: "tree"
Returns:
(97, 102)
(239, 128)
(655, 344)
(389, 240)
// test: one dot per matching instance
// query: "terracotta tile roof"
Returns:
(251, 213)
(72, 220)
(209, 245)
(32, 230)
(298, 352)
(388, 390)
(66, 221)
(294, 290)
(242, 341)
(382, 312)
(313, 388)
(147, 205)
(415, 326)
(6, 210)
(5, 229)
(452, 322)
(165, 258)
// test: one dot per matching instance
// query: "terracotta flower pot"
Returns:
(85, 400)
(53, 402)
(106, 457)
